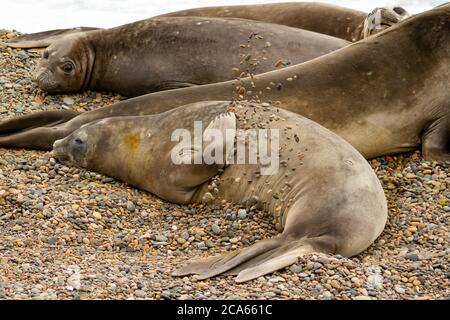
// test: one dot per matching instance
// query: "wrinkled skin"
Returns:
(374, 95)
(327, 200)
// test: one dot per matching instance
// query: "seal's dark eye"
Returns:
(68, 68)
(400, 10)
(45, 55)
(78, 141)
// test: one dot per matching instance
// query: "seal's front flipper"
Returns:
(172, 85)
(262, 258)
(43, 39)
(188, 163)
(35, 120)
(436, 141)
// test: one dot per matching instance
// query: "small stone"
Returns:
(161, 238)
(68, 101)
(356, 282)
(208, 198)
(215, 229)
(185, 235)
(412, 257)
(242, 214)
(399, 289)
(335, 284)
(139, 293)
(166, 295)
(97, 215)
(131, 206)
(327, 296)
(296, 268)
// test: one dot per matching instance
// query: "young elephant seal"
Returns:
(168, 53)
(324, 196)
(324, 18)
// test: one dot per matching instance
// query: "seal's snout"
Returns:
(44, 78)
(60, 151)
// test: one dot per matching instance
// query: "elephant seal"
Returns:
(324, 198)
(324, 18)
(168, 53)
(381, 99)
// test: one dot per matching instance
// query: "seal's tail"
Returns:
(262, 258)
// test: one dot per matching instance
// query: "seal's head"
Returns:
(382, 18)
(105, 145)
(75, 149)
(65, 65)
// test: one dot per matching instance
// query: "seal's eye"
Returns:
(68, 68)
(78, 141)
(400, 10)
(45, 55)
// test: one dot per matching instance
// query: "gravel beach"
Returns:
(67, 233)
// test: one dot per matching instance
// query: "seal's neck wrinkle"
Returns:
(90, 56)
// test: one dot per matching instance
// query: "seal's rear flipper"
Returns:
(35, 120)
(436, 141)
(262, 258)
(43, 39)
(37, 139)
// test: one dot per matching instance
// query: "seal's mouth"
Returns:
(45, 79)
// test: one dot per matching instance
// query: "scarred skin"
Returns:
(324, 198)
(373, 94)
(319, 17)
(169, 53)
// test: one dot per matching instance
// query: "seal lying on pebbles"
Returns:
(324, 18)
(372, 94)
(324, 197)
(167, 53)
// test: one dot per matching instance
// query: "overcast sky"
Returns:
(39, 15)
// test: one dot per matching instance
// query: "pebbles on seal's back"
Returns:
(57, 221)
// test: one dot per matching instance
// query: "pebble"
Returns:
(242, 214)
(131, 206)
(97, 215)
(68, 101)
(216, 229)
(161, 238)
